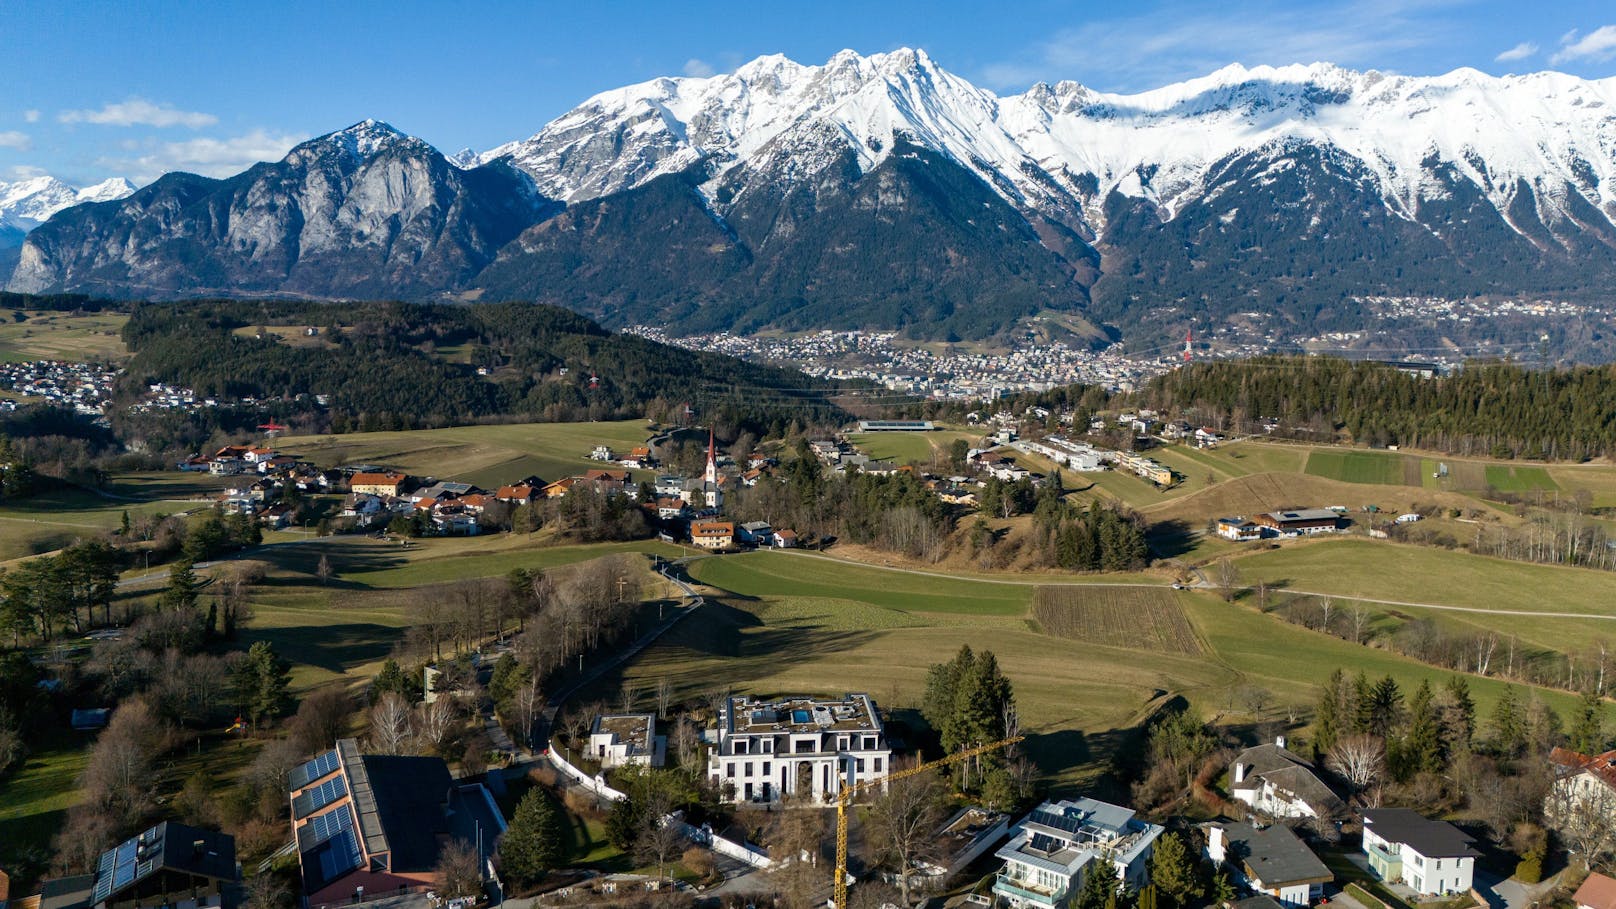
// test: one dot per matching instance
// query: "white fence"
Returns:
(594, 784)
(702, 836)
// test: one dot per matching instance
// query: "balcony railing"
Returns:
(1028, 890)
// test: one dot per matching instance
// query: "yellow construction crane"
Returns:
(845, 798)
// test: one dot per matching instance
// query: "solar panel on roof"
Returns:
(340, 855)
(328, 825)
(1057, 820)
(313, 770)
(320, 796)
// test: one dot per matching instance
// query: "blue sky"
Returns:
(93, 90)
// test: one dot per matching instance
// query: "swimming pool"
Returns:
(801, 716)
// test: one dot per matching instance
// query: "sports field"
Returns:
(904, 447)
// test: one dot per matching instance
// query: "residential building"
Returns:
(713, 534)
(378, 823)
(1581, 781)
(1597, 892)
(170, 865)
(1300, 521)
(756, 533)
(619, 739)
(1270, 860)
(1403, 846)
(1276, 782)
(785, 539)
(1050, 850)
(384, 483)
(520, 494)
(1239, 530)
(797, 746)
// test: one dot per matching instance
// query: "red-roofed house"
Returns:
(377, 484)
(713, 534)
(517, 495)
(1597, 892)
(1581, 780)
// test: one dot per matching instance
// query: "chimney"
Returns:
(1214, 844)
(1240, 772)
(1279, 740)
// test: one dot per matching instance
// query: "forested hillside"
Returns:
(399, 366)
(1489, 409)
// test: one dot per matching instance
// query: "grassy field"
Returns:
(784, 624)
(35, 799)
(1147, 618)
(1376, 467)
(480, 454)
(61, 336)
(1507, 478)
(1389, 571)
(55, 518)
(904, 447)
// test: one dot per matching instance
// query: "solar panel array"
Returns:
(335, 846)
(313, 770)
(1058, 820)
(1043, 842)
(320, 796)
(119, 868)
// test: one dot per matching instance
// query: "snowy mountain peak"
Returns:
(359, 142)
(26, 204)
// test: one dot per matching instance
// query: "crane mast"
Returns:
(845, 798)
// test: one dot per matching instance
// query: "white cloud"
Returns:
(1518, 52)
(1596, 46)
(1187, 39)
(13, 139)
(139, 112)
(32, 116)
(25, 172)
(698, 68)
(207, 156)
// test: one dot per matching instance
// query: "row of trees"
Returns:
(1496, 410)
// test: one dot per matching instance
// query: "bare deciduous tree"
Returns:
(390, 724)
(1360, 760)
(436, 722)
(658, 841)
(459, 871)
(664, 697)
(905, 819)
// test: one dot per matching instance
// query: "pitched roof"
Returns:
(1601, 766)
(166, 847)
(712, 529)
(1597, 892)
(1432, 839)
(1274, 855)
(1288, 772)
(376, 479)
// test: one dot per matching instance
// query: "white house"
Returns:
(1239, 530)
(1050, 849)
(1279, 784)
(619, 739)
(797, 746)
(1403, 846)
(1581, 783)
(1270, 860)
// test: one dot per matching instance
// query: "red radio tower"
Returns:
(1189, 338)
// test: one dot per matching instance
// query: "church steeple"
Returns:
(712, 461)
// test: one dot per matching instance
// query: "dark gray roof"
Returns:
(1432, 839)
(1274, 855)
(166, 847)
(1290, 773)
(1259, 901)
(409, 796)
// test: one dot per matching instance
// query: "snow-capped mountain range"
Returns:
(1551, 130)
(885, 191)
(26, 204)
